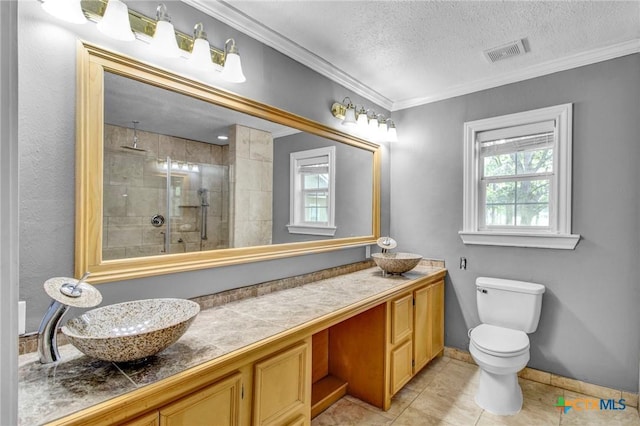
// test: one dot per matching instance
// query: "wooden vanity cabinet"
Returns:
(368, 350)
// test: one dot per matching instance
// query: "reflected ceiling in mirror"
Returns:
(158, 192)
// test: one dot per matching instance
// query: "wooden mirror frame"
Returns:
(93, 61)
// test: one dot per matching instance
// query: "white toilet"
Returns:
(500, 346)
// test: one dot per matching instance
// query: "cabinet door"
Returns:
(421, 337)
(217, 404)
(436, 318)
(401, 318)
(401, 369)
(428, 339)
(282, 386)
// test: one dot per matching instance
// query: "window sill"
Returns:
(552, 241)
(328, 231)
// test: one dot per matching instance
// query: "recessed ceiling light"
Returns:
(223, 137)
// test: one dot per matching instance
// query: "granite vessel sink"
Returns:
(131, 331)
(396, 263)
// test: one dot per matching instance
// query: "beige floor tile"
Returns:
(414, 417)
(458, 409)
(538, 408)
(345, 412)
(544, 395)
(456, 378)
(421, 380)
(401, 401)
(443, 394)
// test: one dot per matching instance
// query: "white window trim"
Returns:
(561, 237)
(309, 229)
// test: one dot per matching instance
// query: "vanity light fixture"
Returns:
(373, 126)
(201, 53)
(115, 22)
(67, 10)
(164, 38)
(160, 33)
(232, 70)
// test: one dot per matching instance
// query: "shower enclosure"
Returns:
(167, 195)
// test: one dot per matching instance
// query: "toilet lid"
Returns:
(499, 340)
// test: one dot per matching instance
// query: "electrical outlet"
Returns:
(463, 263)
(22, 316)
(367, 252)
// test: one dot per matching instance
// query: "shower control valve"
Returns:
(157, 220)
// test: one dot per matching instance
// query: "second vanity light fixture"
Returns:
(117, 21)
(371, 125)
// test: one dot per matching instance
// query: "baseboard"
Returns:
(562, 382)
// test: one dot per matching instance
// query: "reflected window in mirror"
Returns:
(312, 198)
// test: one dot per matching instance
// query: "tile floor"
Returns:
(442, 394)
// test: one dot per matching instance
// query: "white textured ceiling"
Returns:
(404, 53)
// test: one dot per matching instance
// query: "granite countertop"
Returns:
(50, 391)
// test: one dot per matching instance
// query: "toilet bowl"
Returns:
(500, 353)
(500, 345)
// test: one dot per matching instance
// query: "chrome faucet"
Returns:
(64, 292)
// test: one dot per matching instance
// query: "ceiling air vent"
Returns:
(514, 48)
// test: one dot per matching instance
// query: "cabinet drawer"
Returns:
(401, 318)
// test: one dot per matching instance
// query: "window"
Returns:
(312, 192)
(517, 180)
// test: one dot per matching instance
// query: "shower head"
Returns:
(202, 192)
(134, 147)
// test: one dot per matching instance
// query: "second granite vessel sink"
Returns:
(396, 263)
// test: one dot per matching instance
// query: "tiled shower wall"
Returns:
(135, 190)
(251, 186)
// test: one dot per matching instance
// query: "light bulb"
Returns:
(349, 116)
(232, 70)
(362, 121)
(164, 39)
(201, 53)
(115, 22)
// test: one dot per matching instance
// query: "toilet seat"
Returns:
(499, 341)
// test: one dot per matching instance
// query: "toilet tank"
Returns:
(508, 303)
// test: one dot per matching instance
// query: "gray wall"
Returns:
(8, 213)
(354, 183)
(47, 61)
(590, 316)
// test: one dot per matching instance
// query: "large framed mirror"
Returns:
(175, 175)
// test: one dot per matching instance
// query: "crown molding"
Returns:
(231, 16)
(574, 61)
